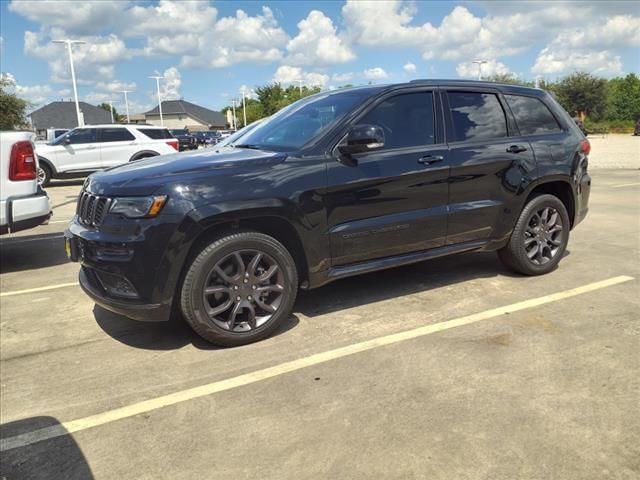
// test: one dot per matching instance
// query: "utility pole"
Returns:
(158, 77)
(68, 43)
(299, 85)
(126, 103)
(479, 63)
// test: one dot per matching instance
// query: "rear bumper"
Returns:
(26, 212)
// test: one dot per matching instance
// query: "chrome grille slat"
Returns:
(92, 209)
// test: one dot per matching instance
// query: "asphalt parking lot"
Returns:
(547, 387)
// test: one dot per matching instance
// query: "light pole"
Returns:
(299, 85)
(158, 77)
(68, 43)
(233, 103)
(126, 103)
(479, 63)
(244, 107)
(111, 110)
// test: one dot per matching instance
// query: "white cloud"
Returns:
(239, 39)
(34, 94)
(409, 67)
(492, 67)
(169, 18)
(376, 73)
(317, 43)
(342, 77)
(551, 61)
(81, 18)
(170, 85)
(288, 75)
(116, 86)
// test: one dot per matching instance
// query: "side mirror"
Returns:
(361, 139)
(67, 141)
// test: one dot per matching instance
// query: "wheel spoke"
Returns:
(241, 268)
(222, 274)
(213, 311)
(253, 264)
(554, 218)
(556, 228)
(252, 316)
(264, 306)
(217, 289)
(234, 313)
(529, 241)
(533, 252)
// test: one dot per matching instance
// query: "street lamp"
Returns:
(233, 103)
(158, 77)
(479, 63)
(126, 103)
(111, 110)
(299, 85)
(68, 43)
(244, 107)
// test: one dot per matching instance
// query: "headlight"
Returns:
(138, 207)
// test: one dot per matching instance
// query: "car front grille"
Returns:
(92, 209)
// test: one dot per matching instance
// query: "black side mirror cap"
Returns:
(361, 139)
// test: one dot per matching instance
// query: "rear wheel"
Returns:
(44, 175)
(539, 238)
(239, 289)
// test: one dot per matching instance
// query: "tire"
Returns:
(535, 228)
(44, 175)
(217, 268)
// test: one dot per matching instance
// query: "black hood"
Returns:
(155, 174)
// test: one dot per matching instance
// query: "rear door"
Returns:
(117, 144)
(490, 165)
(392, 201)
(80, 153)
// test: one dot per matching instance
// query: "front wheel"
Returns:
(239, 289)
(539, 238)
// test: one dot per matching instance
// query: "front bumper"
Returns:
(127, 265)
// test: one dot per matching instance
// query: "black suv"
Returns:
(186, 141)
(336, 184)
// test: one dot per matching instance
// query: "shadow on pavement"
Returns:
(399, 282)
(66, 183)
(32, 251)
(158, 335)
(58, 457)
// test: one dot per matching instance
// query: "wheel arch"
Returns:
(560, 187)
(143, 154)
(48, 163)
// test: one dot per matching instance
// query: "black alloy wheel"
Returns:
(239, 289)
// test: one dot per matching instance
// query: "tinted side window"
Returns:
(155, 133)
(115, 135)
(477, 116)
(532, 116)
(82, 135)
(407, 120)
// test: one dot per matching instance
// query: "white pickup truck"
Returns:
(23, 203)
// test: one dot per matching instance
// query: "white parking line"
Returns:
(626, 185)
(59, 221)
(292, 366)
(39, 289)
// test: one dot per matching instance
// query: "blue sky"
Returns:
(209, 51)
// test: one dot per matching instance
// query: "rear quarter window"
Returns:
(155, 133)
(476, 116)
(532, 116)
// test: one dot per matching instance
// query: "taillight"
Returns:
(22, 165)
(173, 143)
(585, 146)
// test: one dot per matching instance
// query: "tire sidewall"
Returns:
(204, 263)
(535, 204)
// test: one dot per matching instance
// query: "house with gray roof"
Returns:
(183, 114)
(63, 115)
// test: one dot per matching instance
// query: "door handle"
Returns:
(430, 159)
(91, 147)
(516, 149)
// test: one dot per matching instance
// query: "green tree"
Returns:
(582, 94)
(624, 98)
(507, 78)
(273, 96)
(116, 116)
(12, 108)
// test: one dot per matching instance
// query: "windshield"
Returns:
(231, 139)
(299, 123)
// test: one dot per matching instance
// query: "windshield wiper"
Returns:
(246, 145)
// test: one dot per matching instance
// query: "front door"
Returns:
(394, 200)
(78, 151)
